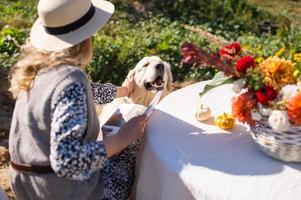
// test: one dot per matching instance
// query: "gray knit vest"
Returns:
(29, 141)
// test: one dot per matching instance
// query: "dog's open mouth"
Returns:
(157, 84)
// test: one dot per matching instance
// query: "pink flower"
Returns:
(190, 53)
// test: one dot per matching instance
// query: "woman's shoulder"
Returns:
(71, 71)
(60, 77)
(66, 75)
(62, 72)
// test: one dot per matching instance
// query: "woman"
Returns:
(54, 145)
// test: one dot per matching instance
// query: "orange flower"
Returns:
(278, 72)
(242, 106)
(294, 109)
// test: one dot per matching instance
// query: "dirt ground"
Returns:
(6, 109)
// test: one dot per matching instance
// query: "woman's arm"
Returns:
(107, 92)
(129, 133)
(122, 92)
(103, 93)
(70, 156)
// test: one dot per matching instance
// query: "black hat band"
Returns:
(73, 26)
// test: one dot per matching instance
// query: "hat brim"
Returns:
(40, 39)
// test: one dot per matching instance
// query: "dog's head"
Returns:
(151, 75)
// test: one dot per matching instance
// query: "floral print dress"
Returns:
(72, 158)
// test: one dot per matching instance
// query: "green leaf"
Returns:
(218, 80)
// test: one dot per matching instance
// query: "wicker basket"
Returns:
(285, 146)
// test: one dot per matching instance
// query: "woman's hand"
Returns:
(135, 127)
(128, 83)
(129, 133)
(126, 88)
(115, 119)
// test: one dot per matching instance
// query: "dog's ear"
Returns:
(131, 76)
(169, 76)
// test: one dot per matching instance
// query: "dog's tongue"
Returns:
(159, 81)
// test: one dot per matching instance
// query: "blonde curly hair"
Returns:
(33, 60)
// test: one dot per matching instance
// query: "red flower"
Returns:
(230, 51)
(244, 63)
(266, 94)
(190, 53)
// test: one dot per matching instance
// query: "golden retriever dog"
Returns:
(150, 75)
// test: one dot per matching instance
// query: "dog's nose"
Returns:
(160, 66)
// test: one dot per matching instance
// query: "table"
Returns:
(184, 159)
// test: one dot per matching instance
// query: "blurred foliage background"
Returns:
(155, 27)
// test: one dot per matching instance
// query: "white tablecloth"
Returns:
(183, 159)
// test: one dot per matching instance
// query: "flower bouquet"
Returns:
(268, 95)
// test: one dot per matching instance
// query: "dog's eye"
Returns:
(145, 65)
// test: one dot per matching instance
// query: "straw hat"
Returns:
(64, 23)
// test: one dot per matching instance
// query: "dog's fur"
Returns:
(147, 83)
(145, 72)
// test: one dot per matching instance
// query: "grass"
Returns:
(19, 14)
(287, 9)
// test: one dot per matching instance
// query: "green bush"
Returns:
(120, 45)
(10, 40)
(236, 16)
(268, 45)
(16, 13)
(15, 16)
